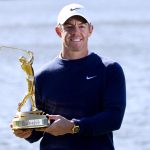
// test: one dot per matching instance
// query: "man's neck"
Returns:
(73, 55)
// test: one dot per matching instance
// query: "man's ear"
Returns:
(58, 31)
(90, 29)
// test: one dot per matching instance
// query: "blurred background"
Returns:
(121, 32)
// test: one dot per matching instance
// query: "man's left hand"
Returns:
(60, 126)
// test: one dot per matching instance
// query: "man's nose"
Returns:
(76, 29)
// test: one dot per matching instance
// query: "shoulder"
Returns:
(47, 68)
(107, 63)
(104, 60)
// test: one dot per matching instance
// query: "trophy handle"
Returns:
(26, 65)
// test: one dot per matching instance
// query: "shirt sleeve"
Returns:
(114, 103)
(35, 136)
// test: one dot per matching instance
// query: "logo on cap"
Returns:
(72, 9)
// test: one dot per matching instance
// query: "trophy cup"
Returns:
(34, 118)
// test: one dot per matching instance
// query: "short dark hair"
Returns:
(80, 18)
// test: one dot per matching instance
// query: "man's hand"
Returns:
(22, 133)
(25, 133)
(60, 126)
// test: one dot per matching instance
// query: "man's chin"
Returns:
(76, 49)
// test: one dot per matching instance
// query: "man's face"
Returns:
(75, 33)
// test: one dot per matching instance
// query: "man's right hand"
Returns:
(25, 133)
(22, 133)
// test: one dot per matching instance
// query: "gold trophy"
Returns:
(35, 118)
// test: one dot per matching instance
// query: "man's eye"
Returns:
(68, 27)
(82, 26)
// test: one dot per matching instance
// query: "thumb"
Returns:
(54, 117)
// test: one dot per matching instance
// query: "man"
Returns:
(83, 93)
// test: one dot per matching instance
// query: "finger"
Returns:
(48, 130)
(22, 133)
(22, 130)
(41, 129)
(18, 131)
(54, 117)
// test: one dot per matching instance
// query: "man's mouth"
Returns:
(76, 40)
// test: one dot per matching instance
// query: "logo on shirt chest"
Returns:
(90, 77)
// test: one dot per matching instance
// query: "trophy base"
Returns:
(31, 119)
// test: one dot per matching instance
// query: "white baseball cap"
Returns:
(72, 10)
